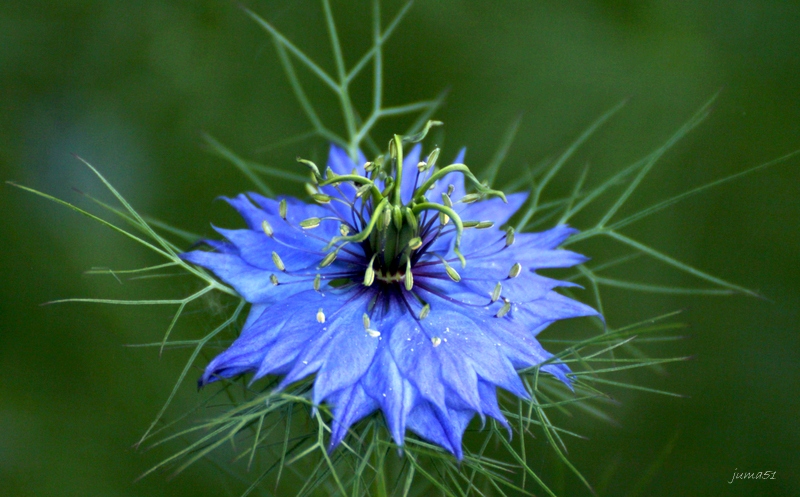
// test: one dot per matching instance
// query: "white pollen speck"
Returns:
(436, 341)
(384, 395)
(374, 333)
(305, 362)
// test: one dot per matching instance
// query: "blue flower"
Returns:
(397, 289)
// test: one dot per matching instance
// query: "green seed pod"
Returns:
(410, 218)
(397, 217)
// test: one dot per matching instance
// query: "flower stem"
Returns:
(380, 478)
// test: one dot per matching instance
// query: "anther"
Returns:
(320, 316)
(450, 189)
(436, 341)
(496, 292)
(426, 309)
(328, 259)
(374, 333)
(415, 243)
(484, 224)
(515, 270)
(365, 320)
(444, 218)
(317, 280)
(276, 259)
(267, 228)
(470, 197)
(422, 166)
(282, 208)
(310, 223)
(369, 274)
(434, 155)
(446, 200)
(311, 189)
(452, 273)
(409, 276)
(363, 190)
(504, 310)
(509, 236)
(344, 229)
(273, 279)
(321, 198)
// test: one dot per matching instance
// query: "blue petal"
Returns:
(412, 352)
(340, 162)
(252, 283)
(346, 353)
(252, 215)
(350, 405)
(444, 428)
(273, 338)
(489, 404)
(396, 396)
(471, 341)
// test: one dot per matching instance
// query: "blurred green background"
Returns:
(131, 85)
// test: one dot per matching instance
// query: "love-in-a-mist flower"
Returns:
(397, 288)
